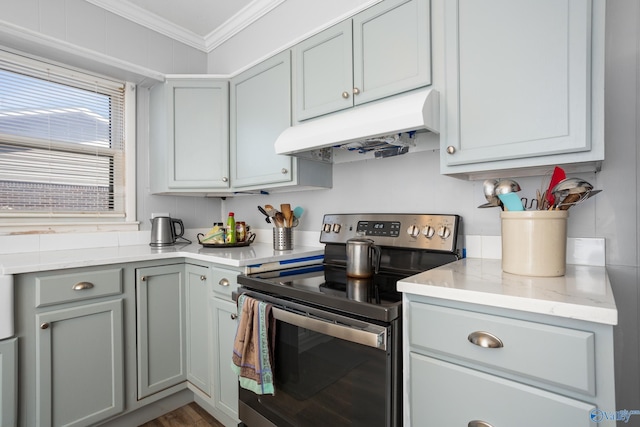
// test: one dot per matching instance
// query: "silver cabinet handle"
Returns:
(284, 171)
(44, 325)
(81, 286)
(478, 423)
(203, 278)
(224, 282)
(225, 179)
(451, 149)
(234, 316)
(356, 91)
(345, 94)
(143, 279)
(485, 340)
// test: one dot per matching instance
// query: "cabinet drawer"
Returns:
(223, 282)
(554, 355)
(444, 394)
(59, 288)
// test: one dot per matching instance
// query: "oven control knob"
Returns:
(413, 231)
(336, 228)
(326, 228)
(444, 232)
(428, 231)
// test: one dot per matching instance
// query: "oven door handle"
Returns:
(370, 335)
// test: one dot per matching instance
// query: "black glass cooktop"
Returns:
(329, 287)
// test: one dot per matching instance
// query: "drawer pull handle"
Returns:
(44, 325)
(234, 316)
(81, 286)
(203, 278)
(486, 340)
(223, 282)
(478, 423)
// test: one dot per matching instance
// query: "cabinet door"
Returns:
(8, 382)
(198, 328)
(225, 324)
(260, 111)
(160, 303)
(324, 72)
(391, 49)
(518, 80)
(199, 155)
(443, 393)
(189, 135)
(79, 362)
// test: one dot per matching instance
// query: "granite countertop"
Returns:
(258, 255)
(584, 292)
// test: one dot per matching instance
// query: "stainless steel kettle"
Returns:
(163, 231)
(363, 258)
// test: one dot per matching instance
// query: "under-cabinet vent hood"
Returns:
(413, 111)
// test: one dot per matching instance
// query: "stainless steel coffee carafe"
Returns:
(163, 231)
(363, 258)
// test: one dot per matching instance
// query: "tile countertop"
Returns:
(259, 255)
(584, 292)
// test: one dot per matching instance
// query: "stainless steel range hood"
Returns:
(414, 111)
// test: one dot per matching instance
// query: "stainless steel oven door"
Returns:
(329, 370)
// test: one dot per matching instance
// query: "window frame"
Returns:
(39, 222)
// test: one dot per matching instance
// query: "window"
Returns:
(62, 143)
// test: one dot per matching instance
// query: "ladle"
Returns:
(489, 189)
(505, 186)
(570, 191)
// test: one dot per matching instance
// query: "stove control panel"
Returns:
(412, 231)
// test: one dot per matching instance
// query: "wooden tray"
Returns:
(247, 242)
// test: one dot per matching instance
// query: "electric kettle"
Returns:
(163, 231)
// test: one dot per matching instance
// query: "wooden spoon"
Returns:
(285, 208)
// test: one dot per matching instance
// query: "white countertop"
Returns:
(584, 292)
(257, 253)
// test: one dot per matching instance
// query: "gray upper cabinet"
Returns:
(260, 111)
(382, 51)
(524, 85)
(189, 135)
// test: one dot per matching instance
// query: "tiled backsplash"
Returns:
(583, 251)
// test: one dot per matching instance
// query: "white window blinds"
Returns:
(61, 141)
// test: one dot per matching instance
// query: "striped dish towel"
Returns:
(252, 351)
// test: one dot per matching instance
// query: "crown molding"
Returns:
(228, 29)
(245, 17)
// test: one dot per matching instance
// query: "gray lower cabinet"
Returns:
(225, 323)
(8, 382)
(80, 364)
(198, 328)
(70, 330)
(161, 328)
(468, 364)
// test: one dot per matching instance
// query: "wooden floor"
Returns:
(190, 415)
